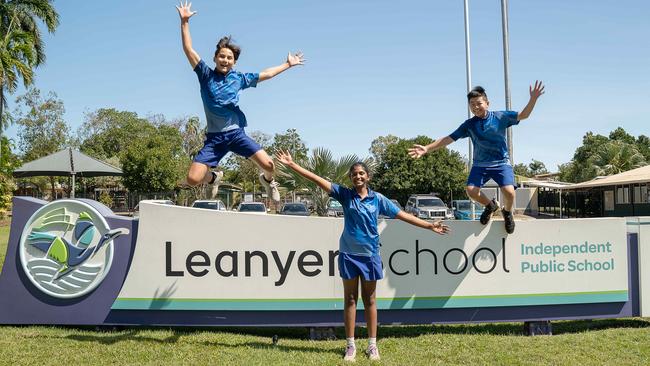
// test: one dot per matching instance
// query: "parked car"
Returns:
(334, 208)
(252, 207)
(463, 209)
(427, 206)
(136, 209)
(396, 204)
(209, 204)
(295, 209)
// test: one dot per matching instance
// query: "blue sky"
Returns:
(373, 67)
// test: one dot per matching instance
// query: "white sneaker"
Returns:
(271, 188)
(215, 185)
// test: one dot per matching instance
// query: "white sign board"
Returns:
(193, 259)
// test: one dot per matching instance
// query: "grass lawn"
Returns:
(614, 342)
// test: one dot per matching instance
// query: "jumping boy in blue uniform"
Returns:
(487, 129)
(220, 94)
(359, 244)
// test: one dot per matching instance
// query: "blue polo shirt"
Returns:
(489, 137)
(360, 235)
(220, 95)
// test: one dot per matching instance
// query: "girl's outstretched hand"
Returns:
(417, 151)
(284, 157)
(439, 228)
(295, 59)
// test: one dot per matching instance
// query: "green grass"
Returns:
(615, 342)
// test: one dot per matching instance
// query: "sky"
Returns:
(373, 67)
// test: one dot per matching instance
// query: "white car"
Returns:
(252, 207)
(136, 209)
(209, 204)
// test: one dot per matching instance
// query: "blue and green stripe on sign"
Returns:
(436, 302)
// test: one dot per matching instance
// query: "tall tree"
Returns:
(153, 162)
(616, 157)
(42, 129)
(442, 171)
(379, 145)
(107, 132)
(22, 41)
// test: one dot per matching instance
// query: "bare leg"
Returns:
(264, 162)
(475, 193)
(370, 304)
(350, 297)
(508, 193)
(199, 173)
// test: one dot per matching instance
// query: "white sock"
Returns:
(351, 342)
(372, 341)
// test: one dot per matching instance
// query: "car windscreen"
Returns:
(294, 208)
(334, 204)
(252, 208)
(210, 205)
(428, 202)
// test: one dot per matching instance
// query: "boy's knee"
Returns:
(472, 191)
(369, 300)
(269, 165)
(193, 180)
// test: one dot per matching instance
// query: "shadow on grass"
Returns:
(109, 338)
(271, 346)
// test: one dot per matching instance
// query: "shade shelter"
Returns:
(67, 162)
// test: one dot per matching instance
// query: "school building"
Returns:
(623, 194)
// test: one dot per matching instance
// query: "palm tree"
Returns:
(19, 28)
(321, 163)
(17, 57)
(616, 157)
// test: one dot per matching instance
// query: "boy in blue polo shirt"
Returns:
(359, 257)
(220, 94)
(487, 129)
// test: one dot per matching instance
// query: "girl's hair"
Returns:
(226, 42)
(362, 165)
(477, 91)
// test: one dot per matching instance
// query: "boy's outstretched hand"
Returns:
(537, 90)
(184, 10)
(295, 59)
(439, 228)
(284, 157)
(417, 151)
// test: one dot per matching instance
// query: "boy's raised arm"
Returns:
(186, 13)
(292, 60)
(419, 150)
(535, 92)
(285, 158)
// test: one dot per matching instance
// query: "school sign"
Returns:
(185, 266)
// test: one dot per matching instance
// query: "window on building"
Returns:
(622, 195)
(609, 200)
(638, 198)
(645, 194)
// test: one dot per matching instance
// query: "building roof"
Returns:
(638, 175)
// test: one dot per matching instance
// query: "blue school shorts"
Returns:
(218, 144)
(352, 266)
(503, 175)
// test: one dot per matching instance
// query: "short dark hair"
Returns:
(226, 42)
(362, 165)
(476, 92)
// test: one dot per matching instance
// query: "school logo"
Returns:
(66, 248)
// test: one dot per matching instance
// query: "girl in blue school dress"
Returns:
(359, 257)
